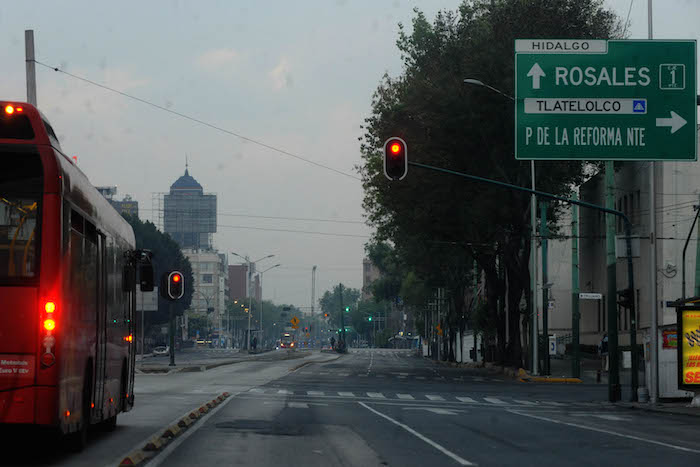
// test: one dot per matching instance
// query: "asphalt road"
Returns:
(376, 407)
(386, 407)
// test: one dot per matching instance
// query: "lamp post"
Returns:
(533, 243)
(249, 283)
(261, 298)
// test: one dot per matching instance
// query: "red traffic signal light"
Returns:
(173, 285)
(395, 158)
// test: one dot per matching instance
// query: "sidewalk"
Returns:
(674, 408)
(185, 362)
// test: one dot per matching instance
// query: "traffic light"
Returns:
(326, 315)
(347, 309)
(395, 158)
(369, 319)
(172, 285)
(625, 298)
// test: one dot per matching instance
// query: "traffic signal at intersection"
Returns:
(395, 158)
(172, 285)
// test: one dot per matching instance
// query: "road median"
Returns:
(156, 443)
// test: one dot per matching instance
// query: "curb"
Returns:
(659, 410)
(155, 444)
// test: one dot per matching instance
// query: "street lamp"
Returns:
(261, 298)
(250, 274)
(533, 243)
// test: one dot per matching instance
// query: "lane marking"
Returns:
(401, 377)
(466, 399)
(425, 439)
(434, 398)
(258, 390)
(376, 395)
(435, 410)
(346, 394)
(520, 401)
(284, 391)
(555, 404)
(315, 393)
(405, 396)
(420, 377)
(494, 400)
(297, 405)
(343, 374)
(607, 432)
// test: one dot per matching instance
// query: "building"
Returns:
(126, 206)
(239, 282)
(210, 275)
(189, 213)
(370, 273)
(677, 194)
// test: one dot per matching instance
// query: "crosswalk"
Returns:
(405, 377)
(492, 400)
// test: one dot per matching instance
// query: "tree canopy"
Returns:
(439, 224)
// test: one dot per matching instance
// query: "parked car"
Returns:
(161, 350)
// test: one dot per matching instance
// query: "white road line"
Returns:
(315, 393)
(298, 405)
(466, 399)
(427, 440)
(346, 394)
(434, 398)
(401, 377)
(380, 376)
(520, 401)
(284, 391)
(258, 390)
(608, 432)
(343, 374)
(478, 378)
(376, 395)
(494, 400)
(405, 396)
(323, 373)
(556, 404)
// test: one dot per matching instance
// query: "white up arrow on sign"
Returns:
(676, 122)
(536, 72)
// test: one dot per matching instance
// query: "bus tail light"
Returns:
(50, 306)
(49, 324)
(48, 359)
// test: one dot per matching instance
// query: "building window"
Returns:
(207, 278)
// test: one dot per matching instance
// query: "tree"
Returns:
(166, 256)
(330, 303)
(440, 224)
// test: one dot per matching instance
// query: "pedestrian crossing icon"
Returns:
(639, 106)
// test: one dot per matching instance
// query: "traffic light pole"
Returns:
(172, 333)
(613, 380)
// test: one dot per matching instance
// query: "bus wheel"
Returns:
(78, 440)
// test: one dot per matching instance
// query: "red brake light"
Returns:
(50, 306)
(19, 109)
(9, 110)
(49, 324)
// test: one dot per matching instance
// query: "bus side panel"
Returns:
(79, 323)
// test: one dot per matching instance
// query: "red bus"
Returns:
(67, 287)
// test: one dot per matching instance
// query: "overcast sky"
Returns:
(295, 75)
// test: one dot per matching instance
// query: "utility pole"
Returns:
(475, 286)
(342, 315)
(30, 66)
(575, 313)
(653, 301)
(614, 392)
(533, 274)
(544, 233)
(313, 299)
(697, 262)
(250, 300)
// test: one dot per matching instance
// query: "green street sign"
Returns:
(605, 99)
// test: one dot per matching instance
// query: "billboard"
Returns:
(689, 348)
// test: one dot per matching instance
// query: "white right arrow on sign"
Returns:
(676, 122)
(536, 73)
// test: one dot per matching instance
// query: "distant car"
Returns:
(161, 350)
(201, 342)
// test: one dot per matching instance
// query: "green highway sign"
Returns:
(605, 99)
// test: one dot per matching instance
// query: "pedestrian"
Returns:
(603, 352)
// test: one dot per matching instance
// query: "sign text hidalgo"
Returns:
(600, 99)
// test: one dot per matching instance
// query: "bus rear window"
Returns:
(20, 196)
(15, 126)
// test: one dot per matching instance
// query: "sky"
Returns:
(298, 76)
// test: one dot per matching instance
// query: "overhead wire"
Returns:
(197, 120)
